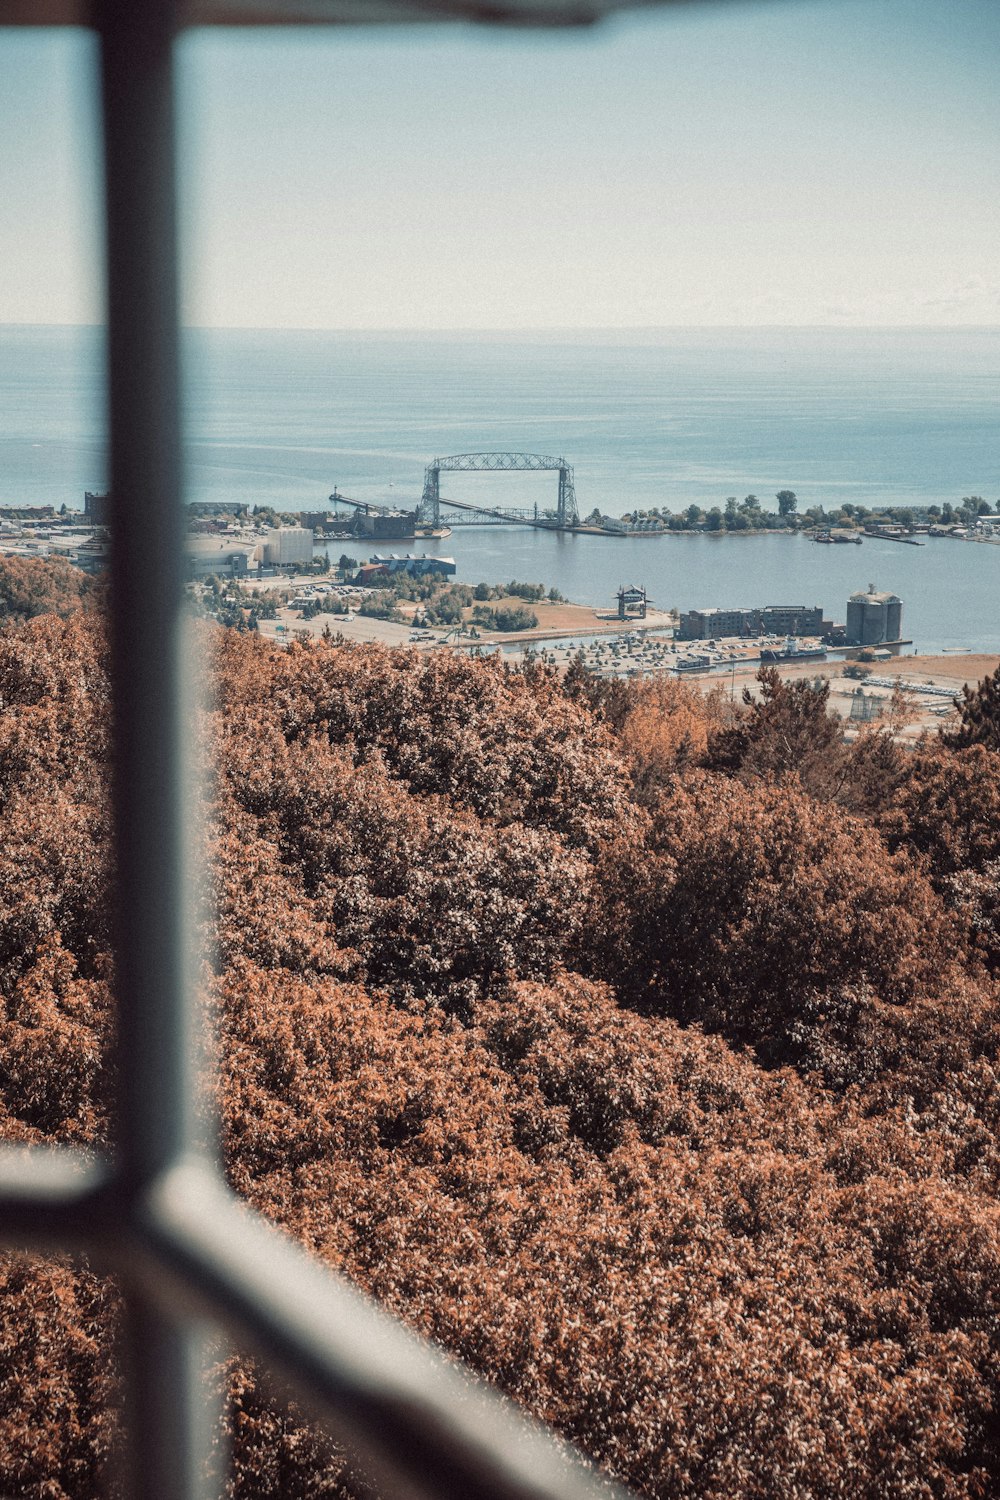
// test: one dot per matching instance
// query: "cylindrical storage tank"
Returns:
(874, 628)
(894, 619)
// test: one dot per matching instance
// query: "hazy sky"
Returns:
(786, 163)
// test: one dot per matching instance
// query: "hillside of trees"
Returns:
(32, 586)
(639, 1048)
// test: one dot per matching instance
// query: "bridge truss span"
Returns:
(431, 501)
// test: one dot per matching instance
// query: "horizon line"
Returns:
(550, 328)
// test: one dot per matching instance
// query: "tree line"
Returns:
(750, 514)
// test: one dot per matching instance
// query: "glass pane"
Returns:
(589, 1016)
(631, 1037)
(60, 1429)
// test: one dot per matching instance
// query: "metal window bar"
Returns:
(160, 1215)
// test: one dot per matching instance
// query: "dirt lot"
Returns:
(573, 619)
(553, 620)
(950, 672)
(946, 670)
(358, 628)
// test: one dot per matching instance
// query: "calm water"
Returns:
(950, 590)
(670, 418)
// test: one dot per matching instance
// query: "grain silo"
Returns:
(873, 618)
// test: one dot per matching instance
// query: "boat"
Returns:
(792, 651)
(828, 537)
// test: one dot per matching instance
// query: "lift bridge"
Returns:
(429, 510)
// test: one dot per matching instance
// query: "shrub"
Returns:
(778, 921)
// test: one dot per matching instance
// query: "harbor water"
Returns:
(950, 589)
(657, 418)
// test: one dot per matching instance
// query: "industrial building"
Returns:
(390, 525)
(414, 565)
(96, 509)
(225, 557)
(28, 512)
(769, 619)
(316, 520)
(238, 508)
(287, 544)
(873, 618)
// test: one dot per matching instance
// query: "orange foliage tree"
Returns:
(946, 812)
(38, 586)
(762, 1262)
(775, 919)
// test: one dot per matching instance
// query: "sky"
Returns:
(835, 162)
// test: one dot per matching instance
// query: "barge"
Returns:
(792, 651)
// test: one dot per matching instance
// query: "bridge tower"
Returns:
(429, 510)
(566, 513)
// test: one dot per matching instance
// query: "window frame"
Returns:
(159, 1216)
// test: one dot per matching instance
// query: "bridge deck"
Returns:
(492, 514)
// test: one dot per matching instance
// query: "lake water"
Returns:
(950, 590)
(664, 418)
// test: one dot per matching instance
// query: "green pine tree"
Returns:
(980, 711)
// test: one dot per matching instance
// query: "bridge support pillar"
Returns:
(430, 501)
(566, 514)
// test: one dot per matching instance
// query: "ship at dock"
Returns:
(792, 651)
(830, 538)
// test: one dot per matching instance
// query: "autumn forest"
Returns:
(638, 1047)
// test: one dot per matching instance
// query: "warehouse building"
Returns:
(413, 564)
(287, 544)
(222, 557)
(316, 520)
(96, 508)
(768, 619)
(388, 525)
(236, 508)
